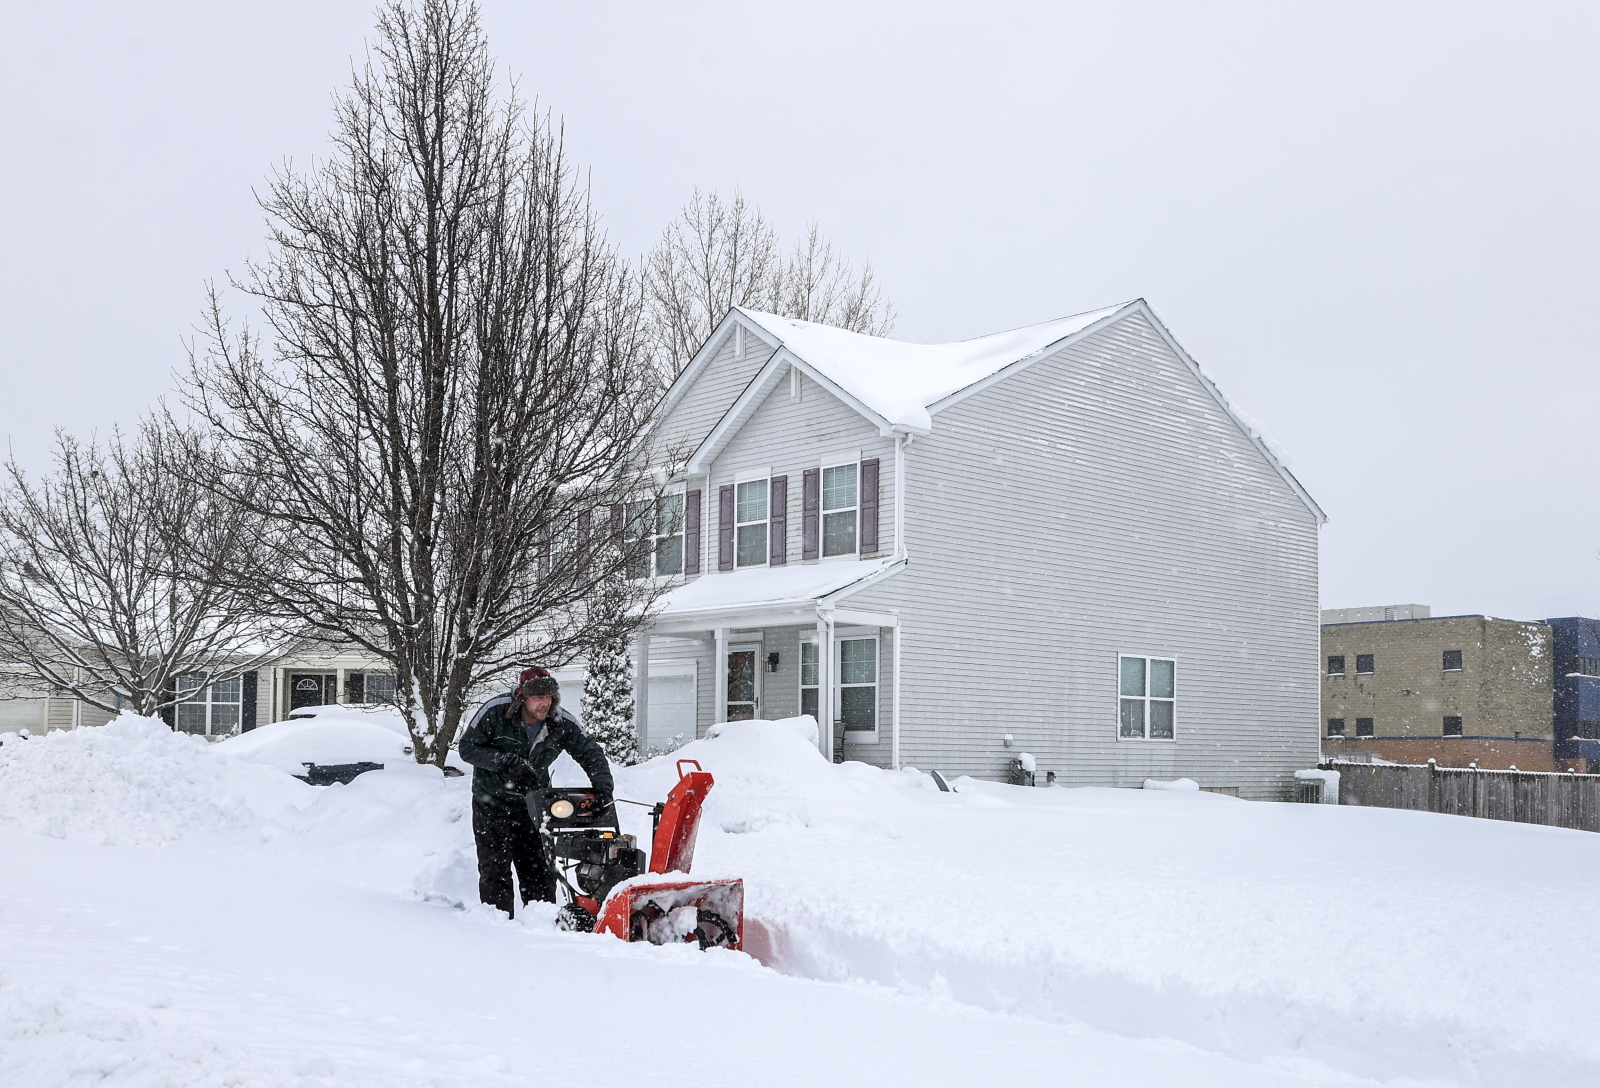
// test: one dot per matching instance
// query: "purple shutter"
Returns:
(544, 552)
(584, 520)
(725, 527)
(691, 532)
(619, 515)
(778, 518)
(869, 506)
(811, 514)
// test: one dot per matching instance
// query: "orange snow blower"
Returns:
(600, 870)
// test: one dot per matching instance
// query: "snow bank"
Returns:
(1270, 932)
(134, 781)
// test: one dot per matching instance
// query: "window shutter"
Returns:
(691, 532)
(869, 506)
(619, 523)
(725, 527)
(169, 713)
(811, 514)
(247, 696)
(778, 519)
(544, 553)
(585, 520)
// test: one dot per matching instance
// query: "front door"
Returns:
(312, 689)
(744, 684)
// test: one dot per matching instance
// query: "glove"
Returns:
(521, 775)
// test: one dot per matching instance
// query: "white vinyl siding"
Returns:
(1099, 501)
(791, 437)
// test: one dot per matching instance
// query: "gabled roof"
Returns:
(901, 387)
(901, 382)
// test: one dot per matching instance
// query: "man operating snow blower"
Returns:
(511, 743)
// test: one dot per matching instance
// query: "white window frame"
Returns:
(655, 511)
(823, 512)
(1146, 699)
(810, 644)
(765, 521)
(209, 702)
(851, 736)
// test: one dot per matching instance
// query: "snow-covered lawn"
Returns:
(173, 915)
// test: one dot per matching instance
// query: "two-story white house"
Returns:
(1059, 540)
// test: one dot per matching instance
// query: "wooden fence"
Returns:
(1529, 797)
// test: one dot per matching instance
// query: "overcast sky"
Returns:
(1374, 224)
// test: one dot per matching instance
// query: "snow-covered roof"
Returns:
(769, 587)
(901, 381)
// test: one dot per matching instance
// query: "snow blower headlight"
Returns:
(561, 809)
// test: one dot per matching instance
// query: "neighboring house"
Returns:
(1460, 690)
(1058, 540)
(303, 677)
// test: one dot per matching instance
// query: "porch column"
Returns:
(720, 711)
(825, 699)
(894, 735)
(641, 690)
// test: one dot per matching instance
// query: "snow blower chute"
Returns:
(598, 868)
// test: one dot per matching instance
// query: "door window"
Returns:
(743, 698)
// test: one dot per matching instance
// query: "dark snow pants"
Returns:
(507, 839)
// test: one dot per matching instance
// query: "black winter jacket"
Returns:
(493, 743)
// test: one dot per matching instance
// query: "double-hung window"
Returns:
(856, 683)
(654, 537)
(1147, 697)
(209, 711)
(841, 497)
(750, 521)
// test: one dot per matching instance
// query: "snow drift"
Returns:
(1314, 941)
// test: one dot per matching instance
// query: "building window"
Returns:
(1364, 664)
(840, 498)
(655, 542)
(209, 711)
(370, 687)
(1363, 727)
(1452, 661)
(750, 519)
(808, 678)
(1583, 666)
(1335, 727)
(1336, 665)
(858, 684)
(1147, 688)
(1452, 725)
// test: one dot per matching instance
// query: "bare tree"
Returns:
(118, 576)
(441, 427)
(717, 255)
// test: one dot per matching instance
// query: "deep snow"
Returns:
(173, 915)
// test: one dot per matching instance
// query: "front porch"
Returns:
(748, 644)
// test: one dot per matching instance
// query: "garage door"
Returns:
(671, 709)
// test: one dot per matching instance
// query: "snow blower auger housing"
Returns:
(599, 868)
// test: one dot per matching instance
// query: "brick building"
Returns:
(1455, 689)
